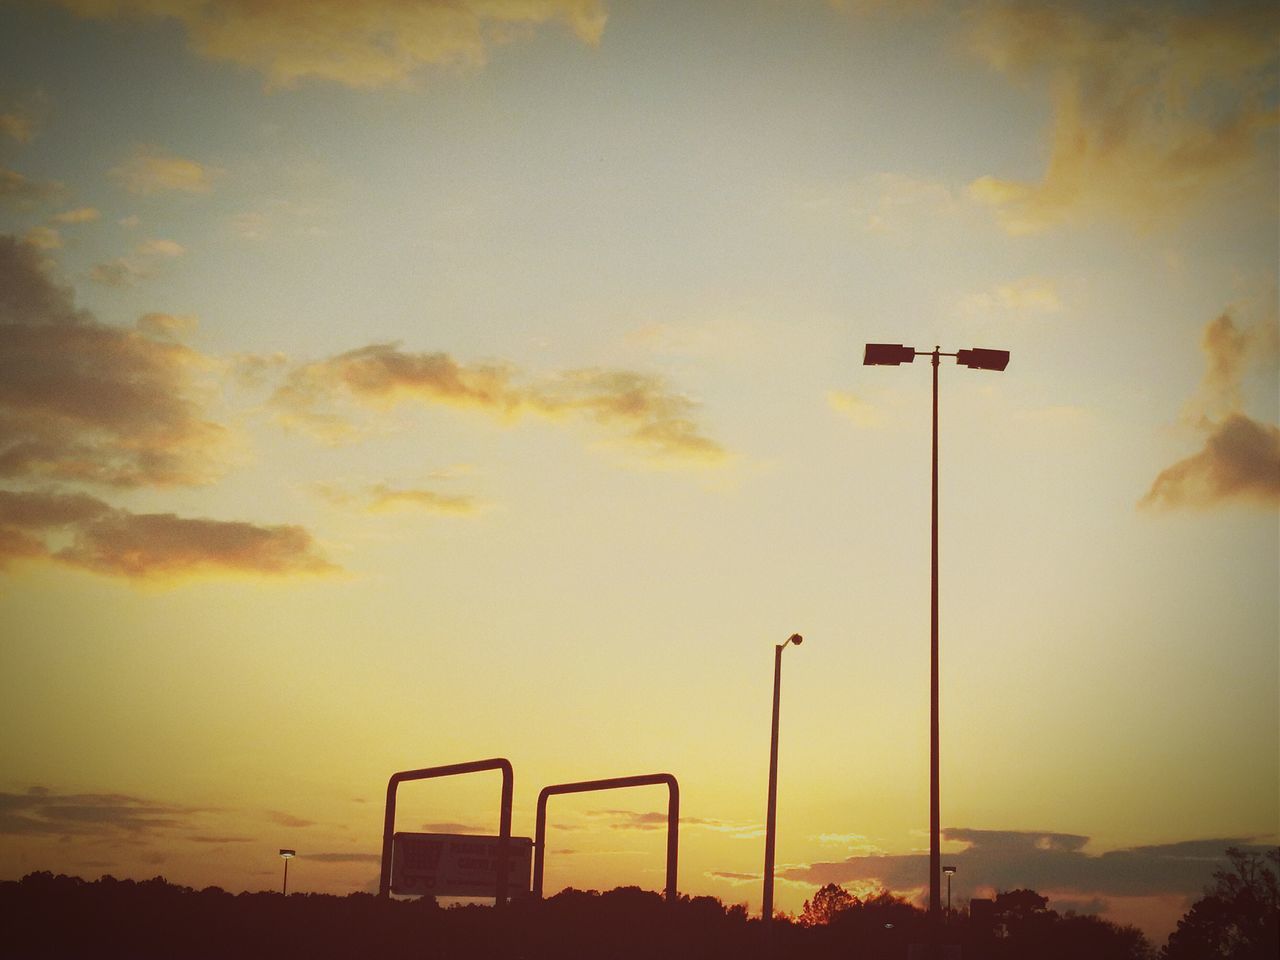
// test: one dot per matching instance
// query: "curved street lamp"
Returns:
(770, 828)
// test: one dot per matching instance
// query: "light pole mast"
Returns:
(770, 828)
(893, 354)
(286, 856)
(935, 809)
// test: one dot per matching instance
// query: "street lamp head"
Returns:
(286, 854)
(796, 639)
(887, 354)
(980, 358)
(948, 870)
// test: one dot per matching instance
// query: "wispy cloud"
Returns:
(657, 820)
(43, 238)
(860, 411)
(850, 841)
(889, 204)
(152, 170)
(1240, 459)
(82, 400)
(21, 191)
(341, 857)
(43, 812)
(17, 125)
(449, 826)
(648, 416)
(288, 819)
(358, 43)
(119, 272)
(1015, 300)
(167, 325)
(20, 121)
(160, 248)
(1152, 106)
(78, 215)
(383, 498)
(733, 879)
(147, 546)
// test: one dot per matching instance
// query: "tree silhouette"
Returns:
(828, 903)
(1238, 918)
(1018, 906)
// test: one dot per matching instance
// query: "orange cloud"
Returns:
(650, 418)
(1240, 459)
(17, 125)
(44, 238)
(383, 498)
(359, 43)
(146, 546)
(78, 215)
(151, 170)
(81, 400)
(22, 191)
(1152, 107)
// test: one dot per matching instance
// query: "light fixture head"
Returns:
(887, 354)
(948, 870)
(980, 358)
(286, 854)
(796, 639)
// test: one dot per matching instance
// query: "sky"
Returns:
(386, 385)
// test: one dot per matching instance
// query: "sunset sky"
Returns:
(385, 385)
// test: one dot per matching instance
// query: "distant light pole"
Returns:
(286, 856)
(892, 354)
(770, 829)
(950, 872)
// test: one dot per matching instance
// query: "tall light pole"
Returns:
(950, 872)
(770, 828)
(286, 856)
(892, 354)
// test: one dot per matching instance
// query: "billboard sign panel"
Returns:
(457, 865)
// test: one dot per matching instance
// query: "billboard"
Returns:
(457, 865)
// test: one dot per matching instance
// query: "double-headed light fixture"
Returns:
(977, 358)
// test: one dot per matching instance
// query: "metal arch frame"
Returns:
(613, 783)
(449, 770)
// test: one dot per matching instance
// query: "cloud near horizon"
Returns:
(1240, 459)
(1042, 861)
(42, 812)
(342, 857)
(81, 531)
(651, 419)
(657, 820)
(1152, 107)
(364, 44)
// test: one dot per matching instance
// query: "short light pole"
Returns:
(950, 872)
(893, 354)
(286, 856)
(770, 827)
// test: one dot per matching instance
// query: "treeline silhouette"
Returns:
(61, 916)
